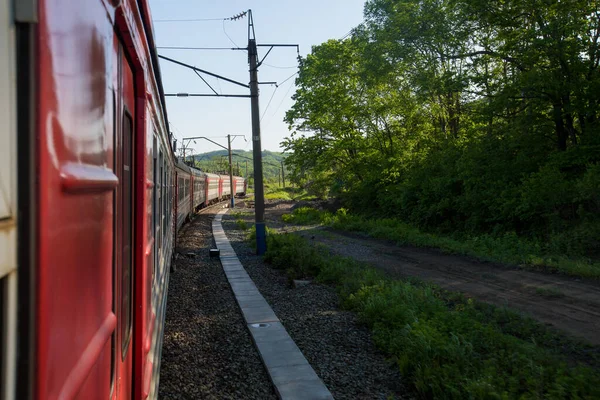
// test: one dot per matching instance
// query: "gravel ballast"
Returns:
(339, 349)
(207, 351)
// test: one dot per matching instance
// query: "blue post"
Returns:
(261, 238)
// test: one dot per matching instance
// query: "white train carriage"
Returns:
(184, 201)
(225, 186)
(239, 185)
(198, 189)
(212, 188)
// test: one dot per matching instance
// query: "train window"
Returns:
(154, 199)
(127, 258)
(159, 208)
(113, 339)
(165, 197)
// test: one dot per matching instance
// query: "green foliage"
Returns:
(504, 247)
(468, 117)
(303, 216)
(549, 292)
(217, 162)
(251, 235)
(293, 254)
(445, 345)
(239, 220)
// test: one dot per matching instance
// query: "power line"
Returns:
(272, 95)
(228, 37)
(279, 67)
(347, 34)
(175, 130)
(219, 84)
(269, 103)
(189, 20)
(351, 31)
(281, 102)
(288, 78)
(198, 48)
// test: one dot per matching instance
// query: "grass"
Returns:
(445, 345)
(239, 220)
(276, 192)
(551, 293)
(279, 194)
(508, 248)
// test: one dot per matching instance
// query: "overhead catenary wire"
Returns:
(269, 103)
(228, 37)
(272, 95)
(280, 103)
(287, 79)
(280, 67)
(199, 48)
(176, 131)
(189, 20)
(347, 34)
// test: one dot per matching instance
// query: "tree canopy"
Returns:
(458, 115)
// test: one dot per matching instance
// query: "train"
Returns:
(197, 190)
(91, 199)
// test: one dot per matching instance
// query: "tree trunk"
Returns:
(561, 132)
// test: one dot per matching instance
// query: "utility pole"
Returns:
(261, 245)
(282, 173)
(230, 172)
(246, 175)
(238, 168)
(259, 195)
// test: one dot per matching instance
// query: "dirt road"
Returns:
(568, 304)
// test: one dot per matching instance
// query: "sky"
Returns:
(303, 22)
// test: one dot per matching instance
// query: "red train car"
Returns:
(90, 207)
(86, 231)
(197, 189)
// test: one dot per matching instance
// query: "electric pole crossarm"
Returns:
(202, 137)
(263, 59)
(271, 46)
(204, 72)
(204, 80)
(246, 96)
(278, 45)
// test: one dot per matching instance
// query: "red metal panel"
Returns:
(127, 191)
(74, 276)
(77, 192)
(130, 25)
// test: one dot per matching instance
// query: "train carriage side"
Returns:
(240, 186)
(184, 178)
(94, 178)
(199, 188)
(225, 186)
(212, 188)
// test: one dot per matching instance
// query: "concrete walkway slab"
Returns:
(290, 372)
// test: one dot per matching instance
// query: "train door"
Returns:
(124, 226)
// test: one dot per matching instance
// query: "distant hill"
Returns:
(217, 162)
